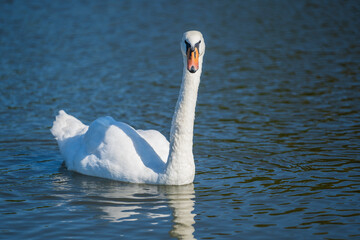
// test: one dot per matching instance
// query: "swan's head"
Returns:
(193, 49)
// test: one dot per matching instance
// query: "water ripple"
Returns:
(277, 131)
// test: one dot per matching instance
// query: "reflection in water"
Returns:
(123, 202)
(180, 200)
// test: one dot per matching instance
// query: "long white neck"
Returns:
(180, 167)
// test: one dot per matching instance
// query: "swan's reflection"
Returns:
(180, 199)
(182, 203)
(123, 202)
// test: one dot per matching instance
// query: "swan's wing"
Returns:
(114, 150)
(107, 149)
(157, 141)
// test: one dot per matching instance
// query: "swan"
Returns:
(117, 151)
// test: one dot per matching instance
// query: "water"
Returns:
(277, 133)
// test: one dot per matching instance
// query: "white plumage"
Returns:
(115, 150)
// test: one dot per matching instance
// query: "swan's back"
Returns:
(110, 149)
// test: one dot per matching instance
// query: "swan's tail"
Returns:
(66, 126)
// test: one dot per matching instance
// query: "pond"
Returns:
(277, 129)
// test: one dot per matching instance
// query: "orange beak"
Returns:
(192, 59)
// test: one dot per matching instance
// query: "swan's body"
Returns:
(115, 150)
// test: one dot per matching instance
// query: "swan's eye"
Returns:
(197, 45)
(188, 46)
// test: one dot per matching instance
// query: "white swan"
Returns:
(115, 150)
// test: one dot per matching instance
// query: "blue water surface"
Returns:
(277, 130)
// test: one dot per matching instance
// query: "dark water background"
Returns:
(277, 133)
